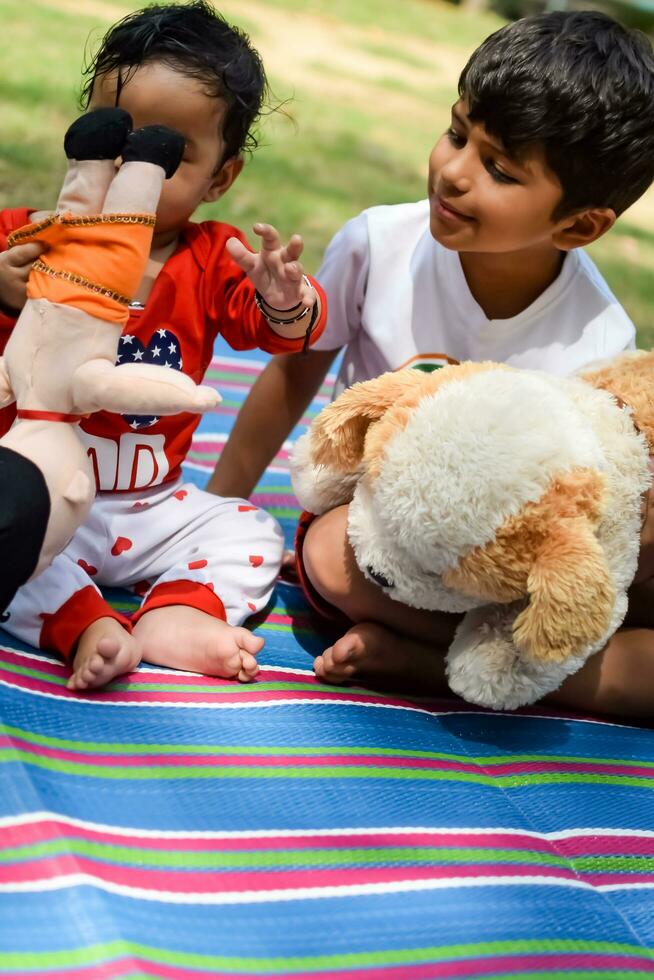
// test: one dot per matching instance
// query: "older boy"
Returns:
(551, 138)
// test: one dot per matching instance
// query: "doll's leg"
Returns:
(215, 567)
(150, 156)
(92, 144)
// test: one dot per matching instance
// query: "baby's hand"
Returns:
(275, 270)
(15, 265)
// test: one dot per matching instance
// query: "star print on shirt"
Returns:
(132, 350)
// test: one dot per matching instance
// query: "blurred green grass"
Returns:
(365, 88)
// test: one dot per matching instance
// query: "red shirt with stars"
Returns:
(199, 293)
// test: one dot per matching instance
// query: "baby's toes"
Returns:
(85, 675)
(248, 642)
(249, 668)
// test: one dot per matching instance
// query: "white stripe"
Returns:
(308, 702)
(288, 894)
(47, 816)
(305, 702)
(205, 467)
(149, 669)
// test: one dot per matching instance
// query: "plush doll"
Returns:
(509, 495)
(59, 363)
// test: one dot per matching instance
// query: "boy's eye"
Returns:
(499, 175)
(456, 139)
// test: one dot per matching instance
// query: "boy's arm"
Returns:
(274, 406)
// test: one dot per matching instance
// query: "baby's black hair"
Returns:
(195, 39)
(580, 86)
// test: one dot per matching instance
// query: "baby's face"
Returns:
(159, 94)
(483, 200)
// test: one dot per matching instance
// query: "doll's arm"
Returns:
(485, 667)
(138, 389)
(7, 395)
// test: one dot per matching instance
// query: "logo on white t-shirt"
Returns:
(428, 362)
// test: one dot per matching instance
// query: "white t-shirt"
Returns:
(397, 299)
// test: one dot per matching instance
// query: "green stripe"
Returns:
(282, 750)
(312, 858)
(145, 687)
(101, 953)
(320, 772)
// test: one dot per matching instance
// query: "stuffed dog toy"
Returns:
(509, 495)
(59, 363)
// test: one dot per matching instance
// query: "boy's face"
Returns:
(483, 200)
(158, 94)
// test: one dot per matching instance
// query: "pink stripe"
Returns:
(435, 704)
(154, 676)
(283, 760)
(211, 447)
(239, 693)
(25, 834)
(230, 368)
(213, 881)
(194, 760)
(448, 970)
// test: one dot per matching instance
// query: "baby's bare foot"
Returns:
(189, 639)
(104, 651)
(375, 655)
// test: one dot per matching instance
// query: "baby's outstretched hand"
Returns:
(275, 271)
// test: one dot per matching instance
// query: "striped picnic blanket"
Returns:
(178, 826)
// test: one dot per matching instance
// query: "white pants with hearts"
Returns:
(174, 545)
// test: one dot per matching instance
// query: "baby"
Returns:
(203, 563)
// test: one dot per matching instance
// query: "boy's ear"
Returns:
(578, 230)
(223, 179)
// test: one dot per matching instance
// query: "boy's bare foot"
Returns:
(375, 655)
(189, 639)
(104, 651)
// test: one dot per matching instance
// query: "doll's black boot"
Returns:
(155, 144)
(98, 135)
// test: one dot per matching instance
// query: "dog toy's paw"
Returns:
(155, 144)
(98, 135)
(485, 667)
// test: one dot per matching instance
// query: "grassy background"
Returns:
(366, 87)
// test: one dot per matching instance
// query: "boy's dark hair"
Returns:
(581, 86)
(194, 38)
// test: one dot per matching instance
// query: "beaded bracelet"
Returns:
(263, 306)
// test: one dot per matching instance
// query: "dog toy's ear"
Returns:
(549, 553)
(339, 432)
(570, 594)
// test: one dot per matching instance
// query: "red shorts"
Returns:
(315, 600)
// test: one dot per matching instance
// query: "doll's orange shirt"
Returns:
(199, 293)
(94, 263)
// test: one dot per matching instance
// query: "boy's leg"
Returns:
(390, 644)
(618, 680)
(216, 567)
